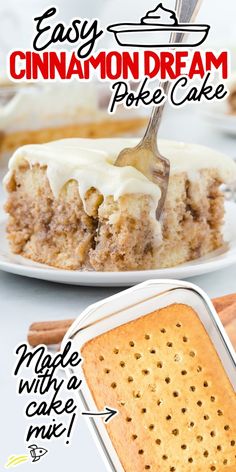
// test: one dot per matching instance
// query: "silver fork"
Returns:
(146, 156)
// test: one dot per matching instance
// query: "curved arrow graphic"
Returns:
(108, 414)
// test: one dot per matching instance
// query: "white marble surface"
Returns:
(23, 301)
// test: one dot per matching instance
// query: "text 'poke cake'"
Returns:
(70, 207)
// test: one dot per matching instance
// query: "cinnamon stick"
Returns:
(231, 331)
(48, 332)
(51, 325)
(52, 332)
(228, 314)
(220, 303)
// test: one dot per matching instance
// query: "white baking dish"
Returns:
(140, 35)
(132, 304)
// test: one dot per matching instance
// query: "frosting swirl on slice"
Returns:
(91, 163)
(160, 16)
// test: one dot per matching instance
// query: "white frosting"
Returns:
(90, 162)
(160, 16)
(46, 105)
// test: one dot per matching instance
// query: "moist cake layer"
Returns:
(176, 405)
(70, 207)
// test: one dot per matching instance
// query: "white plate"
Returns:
(217, 115)
(214, 261)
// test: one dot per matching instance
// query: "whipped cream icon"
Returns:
(160, 16)
(155, 28)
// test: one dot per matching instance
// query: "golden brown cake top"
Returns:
(176, 404)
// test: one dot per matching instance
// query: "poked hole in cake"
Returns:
(175, 402)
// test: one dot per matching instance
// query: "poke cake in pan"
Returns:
(176, 405)
(37, 113)
(70, 207)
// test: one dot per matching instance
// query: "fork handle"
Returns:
(186, 11)
(150, 135)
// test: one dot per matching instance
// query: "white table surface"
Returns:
(24, 300)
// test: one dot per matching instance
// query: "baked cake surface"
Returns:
(176, 405)
(71, 208)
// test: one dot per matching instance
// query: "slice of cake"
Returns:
(175, 402)
(71, 208)
(38, 113)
